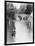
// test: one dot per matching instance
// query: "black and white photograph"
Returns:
(19, 22)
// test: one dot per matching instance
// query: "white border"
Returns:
(2, 22)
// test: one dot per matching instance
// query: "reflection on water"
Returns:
(19, 34)
(22, 33)
(17, 25)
